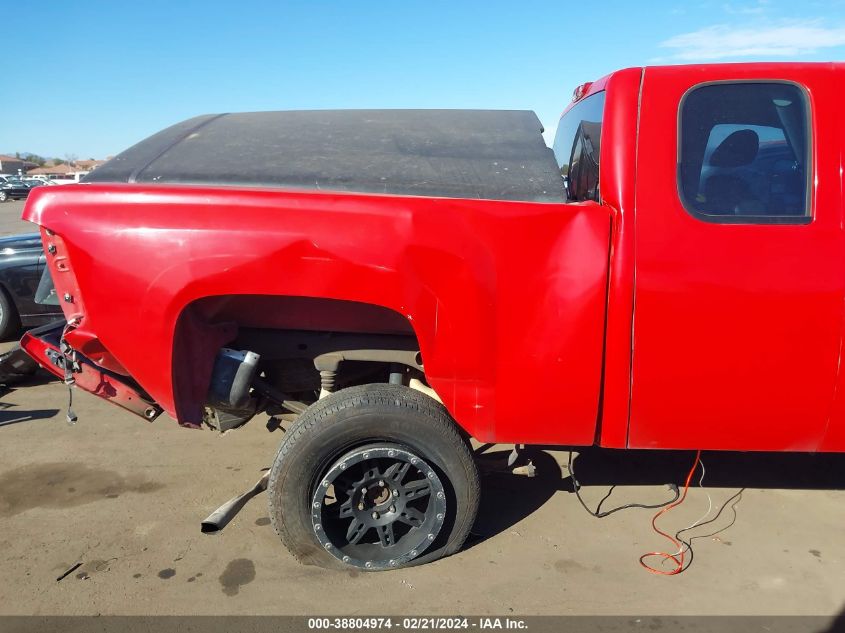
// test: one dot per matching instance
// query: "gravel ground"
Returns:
(124, 498)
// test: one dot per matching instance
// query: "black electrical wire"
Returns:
(737, 497)
(598, 513)
(731, 503)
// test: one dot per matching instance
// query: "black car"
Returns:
(13, 190)
(21, 264)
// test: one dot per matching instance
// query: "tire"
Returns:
(3, 196)
(341, 430)
(10, 322)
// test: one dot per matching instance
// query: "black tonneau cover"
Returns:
(490, 154)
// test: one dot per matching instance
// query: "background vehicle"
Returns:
(21, 266)
(69, 179)
(445, 276)
(13, 190)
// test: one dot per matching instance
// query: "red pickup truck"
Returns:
(670, 276)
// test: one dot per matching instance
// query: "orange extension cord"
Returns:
(678, 557)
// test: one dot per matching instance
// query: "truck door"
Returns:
(739, 259)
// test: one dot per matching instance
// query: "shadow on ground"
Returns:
(506, 499)
(11, 413)
(837, 625)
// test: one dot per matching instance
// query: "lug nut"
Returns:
(393, 508)
(375, 515)
(381, 483)
(395, 493)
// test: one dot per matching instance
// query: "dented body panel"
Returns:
(627, 323)
(502, 296)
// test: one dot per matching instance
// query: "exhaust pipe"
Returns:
(220, 518)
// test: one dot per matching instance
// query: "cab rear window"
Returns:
(744, 153)
(577, 148)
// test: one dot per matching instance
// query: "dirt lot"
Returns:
(125, 498)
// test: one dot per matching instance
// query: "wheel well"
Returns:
(307, 346)
(305, 360)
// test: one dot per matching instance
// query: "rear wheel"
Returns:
(373, 477)
(3, 196)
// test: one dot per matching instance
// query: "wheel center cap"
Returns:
(378, 495)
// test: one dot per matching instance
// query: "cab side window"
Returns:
(577, 148)
(744, 153)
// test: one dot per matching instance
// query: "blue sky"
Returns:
(97, 75)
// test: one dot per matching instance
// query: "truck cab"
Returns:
(726, 269)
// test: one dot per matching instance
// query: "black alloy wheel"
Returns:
(378, 507)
